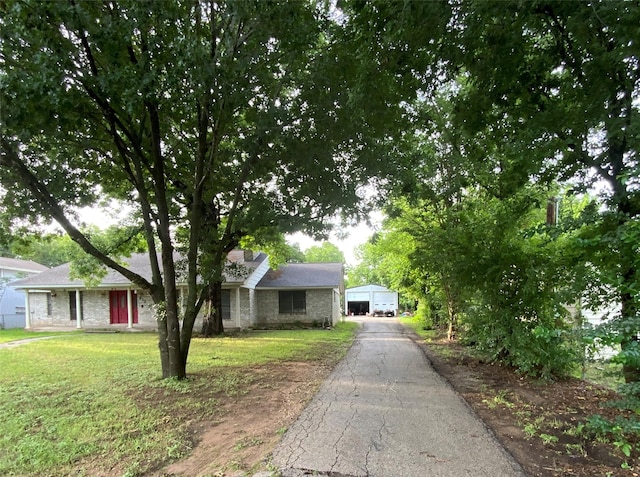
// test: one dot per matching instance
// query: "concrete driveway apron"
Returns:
(385, 412)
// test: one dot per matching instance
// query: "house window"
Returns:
(73, 311)
(292, 302)
(225, 299)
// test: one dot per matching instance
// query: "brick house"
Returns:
(254, 295)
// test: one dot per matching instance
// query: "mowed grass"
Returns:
(19, 334)
(93, 404)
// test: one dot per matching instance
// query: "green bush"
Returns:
(425, 316)
(535, 347)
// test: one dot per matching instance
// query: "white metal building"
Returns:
(371, 300)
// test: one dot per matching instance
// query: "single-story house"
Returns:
(253, 295)
(371, 300)
(12, 313)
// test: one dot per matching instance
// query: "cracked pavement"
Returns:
(385, 412)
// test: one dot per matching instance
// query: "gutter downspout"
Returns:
(238, 323)
(129, 309)
(27, 311)
(78, 309)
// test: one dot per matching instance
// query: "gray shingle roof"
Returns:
(58, 277)
(21, 265)
(304, 275)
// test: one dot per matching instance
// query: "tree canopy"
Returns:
(214, 121)
(519, 105)
(560, 87)
(326, 252)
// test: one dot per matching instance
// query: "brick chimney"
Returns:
(248, 255)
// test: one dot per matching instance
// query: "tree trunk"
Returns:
(627, 210)
(212, 323)
(630, 372)
(451, 331)
(177, 365)
(171, 358)
(629, 306)
(161, 320)
(452, 313)
(629, 310)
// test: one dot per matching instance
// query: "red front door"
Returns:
(118, 306)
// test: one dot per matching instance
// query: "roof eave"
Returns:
(301, 287)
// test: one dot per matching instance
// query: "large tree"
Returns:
(559, 83)
(326, 252)
(213, 120)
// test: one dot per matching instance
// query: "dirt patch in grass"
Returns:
(536, 422)
(246, 427)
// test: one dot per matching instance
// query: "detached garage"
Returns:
(371, 300)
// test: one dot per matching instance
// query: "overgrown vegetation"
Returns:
(620, 428)
(70, 401)
(521, 213)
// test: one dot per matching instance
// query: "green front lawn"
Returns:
(20, 334)
(68, 403)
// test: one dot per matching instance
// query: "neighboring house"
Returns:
(371, 300)
(13, 268)
(11, 307)
(253, 295)
(12, 313)
(592, 319)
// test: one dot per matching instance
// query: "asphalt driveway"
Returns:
(384, 412)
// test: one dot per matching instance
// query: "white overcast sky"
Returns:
(347, 240)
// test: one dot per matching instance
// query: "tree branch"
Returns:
(9, 158)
